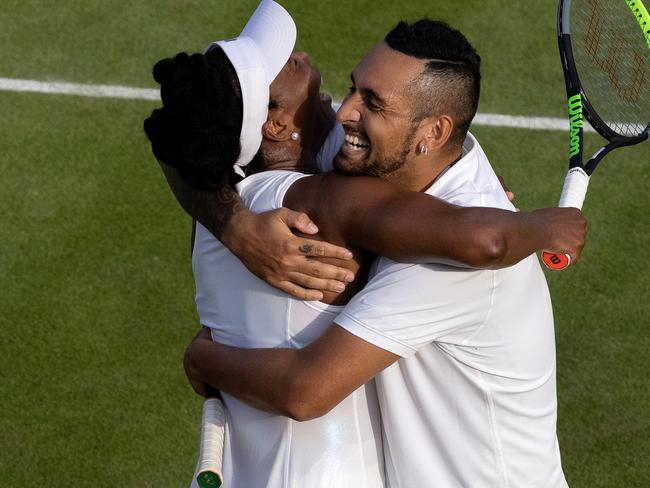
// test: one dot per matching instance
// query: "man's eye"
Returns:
(371, 105)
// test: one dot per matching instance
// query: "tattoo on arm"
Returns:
(213, 209)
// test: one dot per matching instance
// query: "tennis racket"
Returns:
(605, 52)
(212, 435)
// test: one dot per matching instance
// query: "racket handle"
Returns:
(573, 195)
(209, 473)
(575, 188)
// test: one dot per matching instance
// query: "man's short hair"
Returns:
(451, 81)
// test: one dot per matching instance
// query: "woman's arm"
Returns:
(406, 226)
(264, 242)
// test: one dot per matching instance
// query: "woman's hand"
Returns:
(266, 245)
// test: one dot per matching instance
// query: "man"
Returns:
(475, 407)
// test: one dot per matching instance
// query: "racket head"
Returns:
(605, 48)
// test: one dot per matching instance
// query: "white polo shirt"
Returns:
(472, 403)
(330, 147)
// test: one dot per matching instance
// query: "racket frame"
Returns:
(574, 88)
(577, 179)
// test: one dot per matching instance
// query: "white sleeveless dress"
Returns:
(263, 450)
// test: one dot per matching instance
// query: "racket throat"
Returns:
(614, 144)
(576, 124)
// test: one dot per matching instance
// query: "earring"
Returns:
(295, 136)
(424, 149)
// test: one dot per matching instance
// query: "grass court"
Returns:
(96, 291)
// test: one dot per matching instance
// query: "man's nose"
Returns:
(348, 112)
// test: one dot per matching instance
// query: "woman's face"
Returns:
(297, 93)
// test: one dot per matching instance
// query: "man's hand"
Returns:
(299, 383)
(268, 248)
(567, 230)
(199, 387)
(509, 194)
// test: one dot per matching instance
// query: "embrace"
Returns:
(402, 335)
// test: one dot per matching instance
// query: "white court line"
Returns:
(62, 88)
(117, 91)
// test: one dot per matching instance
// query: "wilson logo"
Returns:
(575, 119)
(608, 48)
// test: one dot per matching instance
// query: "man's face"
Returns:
(377, 114)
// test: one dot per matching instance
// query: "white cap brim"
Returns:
(258, 55)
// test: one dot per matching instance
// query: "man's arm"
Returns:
(407, 226)
(299, 383)
(264, 243)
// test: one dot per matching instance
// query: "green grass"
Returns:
(96, 302)
(91, 246)
(118, 41)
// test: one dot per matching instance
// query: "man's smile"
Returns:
(354, 145)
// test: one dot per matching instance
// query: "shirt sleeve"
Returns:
(406, 307)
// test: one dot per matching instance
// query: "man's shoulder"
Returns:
(471, 182)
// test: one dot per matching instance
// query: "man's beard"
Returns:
(380, 169)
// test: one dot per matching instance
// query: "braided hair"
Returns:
(198, 127)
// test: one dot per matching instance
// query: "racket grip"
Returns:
(573, 195)
(575, 188)
(209, 474)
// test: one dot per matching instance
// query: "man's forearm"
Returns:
(213, 209)
(299, 383)
(262, 380)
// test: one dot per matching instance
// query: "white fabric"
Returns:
(476, 406)
(342, 448)
(258, 55)
(255, 95)
(213, 430)
(331, 147)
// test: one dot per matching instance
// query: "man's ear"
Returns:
(436, 132)
(276, 128)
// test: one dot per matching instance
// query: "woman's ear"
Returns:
(276, 129)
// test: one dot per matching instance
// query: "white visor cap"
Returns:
(258, 55)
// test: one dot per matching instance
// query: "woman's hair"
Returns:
(197, 130)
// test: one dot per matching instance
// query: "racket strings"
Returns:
(613, 59)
